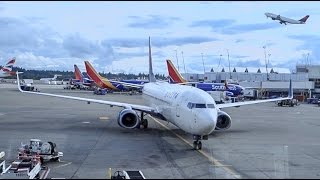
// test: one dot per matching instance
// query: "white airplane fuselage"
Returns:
(171, 100)
(283, 19)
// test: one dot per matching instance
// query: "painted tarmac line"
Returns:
(214, 161)
(104, 118)
(63, 165)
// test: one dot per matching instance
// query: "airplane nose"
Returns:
(207, 123)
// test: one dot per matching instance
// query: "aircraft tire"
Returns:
(145, 123)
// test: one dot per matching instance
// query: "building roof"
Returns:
(252, 69)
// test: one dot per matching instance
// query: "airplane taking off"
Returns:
(176, 77)
(284, 20)
(114, 85)
(187, 107)
(6, 70)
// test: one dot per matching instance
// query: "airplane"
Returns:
(109, 84)
(176, 77)
(284, 20)
(81, 79)
(6, 70)
(48, 80)
(191, 109)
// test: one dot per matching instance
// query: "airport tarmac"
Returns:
(264, 141)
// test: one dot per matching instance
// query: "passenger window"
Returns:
(189, 105)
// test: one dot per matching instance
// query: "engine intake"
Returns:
(128, 118)
(223, 121)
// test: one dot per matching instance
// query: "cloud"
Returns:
(249, 63)
(239, 40)
(160, 42)
(28, 38)
(228, 26)
(311, 44)
(243, 28)
(151, 22)
(214, 24)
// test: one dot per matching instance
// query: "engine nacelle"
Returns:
(223, 121)
(128, 118)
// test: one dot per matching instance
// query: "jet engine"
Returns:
(128, 118)
(223, 121)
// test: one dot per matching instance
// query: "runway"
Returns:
(264, 141)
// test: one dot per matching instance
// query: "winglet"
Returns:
(18, 80)
(151, 75)
(290, 93)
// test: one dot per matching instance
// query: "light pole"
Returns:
(308, 58)
(204, 70)
(183, 62)
(177, 59)
(229, 64)
(265, 59)
(219, 61)
(269, 59)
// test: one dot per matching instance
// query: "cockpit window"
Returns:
(210, 105)
(200, 105)
(196, 105)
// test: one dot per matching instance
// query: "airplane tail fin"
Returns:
(226, 84)
(174, 75)
(8, 67)
(77, 73)
(152, 78)
(304, 19)
(95, 76)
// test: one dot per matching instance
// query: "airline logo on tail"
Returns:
(77, 73)
(304, 19)
(7, 69)
(100, 81)
(174, 75)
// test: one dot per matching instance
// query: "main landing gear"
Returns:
(143, 122)
(197, 145)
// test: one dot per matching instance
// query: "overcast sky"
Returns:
(113, 36)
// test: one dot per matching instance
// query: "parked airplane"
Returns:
(6, 70)
(81, 79)
(113, 85)
(176, 77)
(284, 20)
(187, 107)
(49, 80)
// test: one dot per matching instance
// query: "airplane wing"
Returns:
(249, 102)
(290, 96)
(142, 108)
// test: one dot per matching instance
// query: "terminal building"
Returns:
(305, 80)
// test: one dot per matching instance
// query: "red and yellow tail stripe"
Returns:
(100, 81)
(174, 73)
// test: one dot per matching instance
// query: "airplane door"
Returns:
(178, 110)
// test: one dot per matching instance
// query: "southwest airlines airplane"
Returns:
(187, 107)
(113, 85)
(6, 70)
(81, 79)
(285, 20)
(176, 77)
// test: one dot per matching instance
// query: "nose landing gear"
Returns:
(197, 145)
